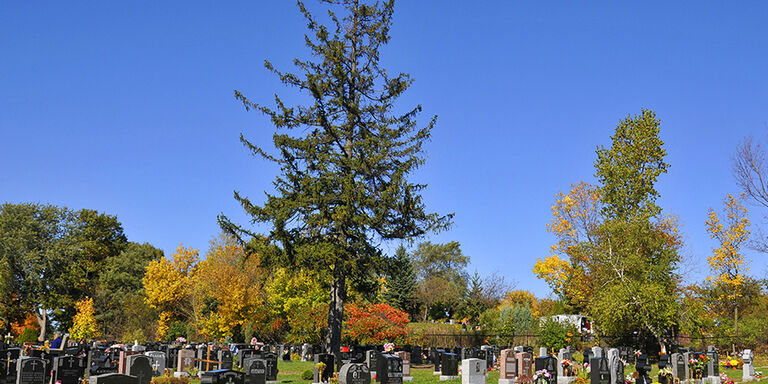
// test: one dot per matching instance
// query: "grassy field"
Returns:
(290, 372)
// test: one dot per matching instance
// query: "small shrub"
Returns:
(170, 380)
(308, 375)
(28, 335)
(295, 357)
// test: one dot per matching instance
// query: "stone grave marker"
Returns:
(416, 355)
(225, 357)
(324, 376)
(113, 378)
(597, 352)
(507, 366)
(435, 358)
(549, 364)
(748, 370)
(601, 374)
(157, 361)
(31, 370)
(389, 369)
(405, 357)
(354, 373)
(473, 371)
(68, 369)
(713, 366)
(255, 371)
(543, 352)
(139, 366)
(449, 366)
(121, 360)
(306, 352)
(371, 359)
(524, 367)
(245, 353)
(615, 366)
(271, 360)
(186, 360)
(643, 367)
(222, 376)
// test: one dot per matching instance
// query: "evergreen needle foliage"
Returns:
(344, 158)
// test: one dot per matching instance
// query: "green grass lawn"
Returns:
(290, 372)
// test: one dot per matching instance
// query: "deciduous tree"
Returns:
(726, 262)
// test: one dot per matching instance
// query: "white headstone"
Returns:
(473, 371)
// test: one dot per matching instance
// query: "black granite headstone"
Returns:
(31, 371)
(389, 369)
(68, 369)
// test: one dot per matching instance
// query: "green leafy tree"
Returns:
(634, 248)
(120, 285)
(401, 282)
(442, 277)
(34, 261)
(344, 158)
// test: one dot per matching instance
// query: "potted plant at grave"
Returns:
(542, 377)
(697, 364)
(665, 376)
(568, 368)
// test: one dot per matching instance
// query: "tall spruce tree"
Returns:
(401, 282)
(344, 158)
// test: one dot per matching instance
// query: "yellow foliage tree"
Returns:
(228, 289)
(168, 286)
(574, 218)
(84, 321)
(521, 297)
(727, 263)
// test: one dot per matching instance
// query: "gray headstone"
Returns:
(157, 361)
(140, 367)
(354, 373)
(31, 370)
(113, 378)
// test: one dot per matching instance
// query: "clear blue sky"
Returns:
(126, 107)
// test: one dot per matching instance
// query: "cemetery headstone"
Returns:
(121, 360)
(141, 367)
(416, 355)
(434, 357)
(524, 367)
(601, 374)
(543, 352)
(222, 376)
(389, 369)
(507, 366)
(354, 373)
(271, 360)
(371, 359)
(306, 352)
(643, 367)
(449, 366)
(113, 378)
(615, 366)
(255, 371)
(566, 372)
(324, 375)
(68, 369)
(31, 370)
(597, 352)
(713, 366)
(546, 364)
(748, 370)
(225, 357)
(186, 360)
(473, 371)
(157, 361)
(405, 357)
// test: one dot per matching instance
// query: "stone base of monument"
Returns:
(566, 379)
(274, 382)
(444, 378)
(180, 374)
(435, 373)
(407, 378)
(711, 380)
(507, 381)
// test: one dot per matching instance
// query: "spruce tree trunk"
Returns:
(336, 312)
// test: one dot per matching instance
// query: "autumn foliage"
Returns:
(84, 321)
(375, 324)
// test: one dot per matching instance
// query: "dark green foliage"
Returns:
(628, 170)
(401, 282)
(307, 375)
(177, 329)
(442, 278)
(344, 158)
(120, 283)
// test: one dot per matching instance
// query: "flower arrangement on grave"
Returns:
(181, 340)
(697, 365)
(569, 369)
(389, 347)
(629, 379)
(732, 363)
(665, 376)
(725, 379)
(541, 376)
